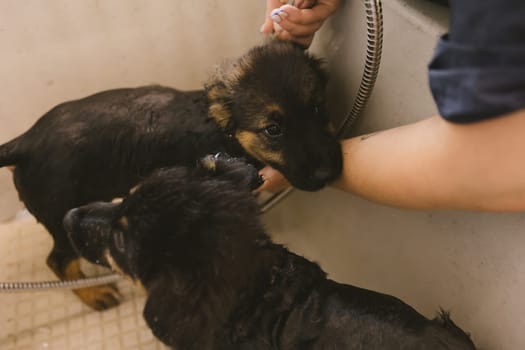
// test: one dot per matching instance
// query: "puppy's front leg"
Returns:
(68, 268)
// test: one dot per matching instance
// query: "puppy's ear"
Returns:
(221, 86)
(219, 97)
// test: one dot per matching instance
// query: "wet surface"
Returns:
(57, 319)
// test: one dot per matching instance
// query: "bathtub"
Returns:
(468, 263)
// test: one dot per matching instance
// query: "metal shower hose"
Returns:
(374, 29)
(374, 47)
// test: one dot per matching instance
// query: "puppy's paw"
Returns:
(209, 162)
(234, 169)
(100, 297)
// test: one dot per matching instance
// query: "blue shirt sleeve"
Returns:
(478, 69)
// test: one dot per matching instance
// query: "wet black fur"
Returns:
(215, 280)
(98, 147)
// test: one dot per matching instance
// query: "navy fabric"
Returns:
(478, 69)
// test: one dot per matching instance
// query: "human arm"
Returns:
(435, 164)
(297, 23)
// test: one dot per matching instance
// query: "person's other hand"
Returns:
(274, 181)
(297, 23)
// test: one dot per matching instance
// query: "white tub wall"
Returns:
(472, 264)
(469, 263)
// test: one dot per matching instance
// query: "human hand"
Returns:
(297, 23)
(274, 181)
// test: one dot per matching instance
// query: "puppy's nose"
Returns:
(70, 219)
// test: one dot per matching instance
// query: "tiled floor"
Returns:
(57, 319)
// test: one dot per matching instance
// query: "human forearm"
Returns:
(434, 164)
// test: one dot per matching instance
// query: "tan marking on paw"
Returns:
(99, 297)
(209, 163)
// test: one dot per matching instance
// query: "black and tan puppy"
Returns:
(268, 106)
(215, 280)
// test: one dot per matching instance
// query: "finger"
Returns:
(274, 181)
(320, 12)
(277, 27)
(267, 26)
(304, 4)
(300, 29)
(280, 19)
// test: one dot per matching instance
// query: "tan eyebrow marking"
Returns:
(251, 143)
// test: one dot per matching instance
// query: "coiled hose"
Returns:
(11, 287)
(374, 46)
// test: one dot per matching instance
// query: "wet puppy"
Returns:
(267, 105)
(215, 280)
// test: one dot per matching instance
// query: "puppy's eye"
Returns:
(118, 240)
(273, 130)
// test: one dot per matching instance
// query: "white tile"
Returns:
(128, 323)
(75, 324)
(24, 308)
(93, 319)
(57, 313)
(76, 340)
(58, 328)
(24, 340)
(75, 306)
(24, 322)
(59, 344)
(41, 318)
(110, 329)
(109, 315)
(112, 344)
(93, 334)
(57, 319)
(129, 339)
(94, 346)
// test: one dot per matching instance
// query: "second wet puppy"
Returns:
(215, 280)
